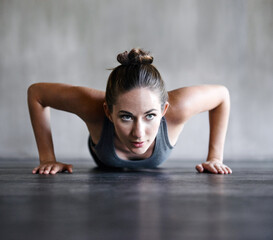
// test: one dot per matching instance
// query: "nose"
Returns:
(138, 130)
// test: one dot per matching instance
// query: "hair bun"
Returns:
(135, 57)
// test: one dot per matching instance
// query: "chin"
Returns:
(139, 151)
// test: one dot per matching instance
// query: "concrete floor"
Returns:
(169, 203)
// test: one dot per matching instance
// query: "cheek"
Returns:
(122, 130)
(152, 128)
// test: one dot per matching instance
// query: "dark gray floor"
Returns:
(173, 202)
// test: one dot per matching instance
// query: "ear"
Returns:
(166, 106)
(107, 111)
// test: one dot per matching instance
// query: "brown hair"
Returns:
(136, 71)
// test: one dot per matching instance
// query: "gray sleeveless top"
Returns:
(105, 150)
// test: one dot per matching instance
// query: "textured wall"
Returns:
(226, 42)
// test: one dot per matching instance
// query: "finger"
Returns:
(41, 170)
(70, 168)
(47, 169)
(224, 170)
(67, 167)
(228, 170)
(55, 169)
(210, 168)
(220, 169)
(34, 171)
(199, 168)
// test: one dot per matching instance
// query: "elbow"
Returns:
(226, 95)
(31, 89)
(225, 91)
(32, 92)
(224, 101)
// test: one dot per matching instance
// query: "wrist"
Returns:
(214, 159)
(47, 159)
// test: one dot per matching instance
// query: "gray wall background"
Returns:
(193, 42)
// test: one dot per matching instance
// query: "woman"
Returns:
(135, 123)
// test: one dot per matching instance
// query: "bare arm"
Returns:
(218, 119)
(193, 100)
(81, 101)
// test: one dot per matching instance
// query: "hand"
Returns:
(213, 166)
(52, 168)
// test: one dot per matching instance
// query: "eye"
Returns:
(150, 116)
(126, 118)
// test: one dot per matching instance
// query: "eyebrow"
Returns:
(129, 113)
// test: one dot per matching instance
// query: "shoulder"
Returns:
(90, 101)
(85, 102)
(188, 101)
(179, 109)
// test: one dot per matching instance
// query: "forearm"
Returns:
(40, 119)
(218, 120)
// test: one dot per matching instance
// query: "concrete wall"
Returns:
(193, 42)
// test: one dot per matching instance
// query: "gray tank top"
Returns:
(106, 154)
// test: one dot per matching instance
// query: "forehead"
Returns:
(138, 100)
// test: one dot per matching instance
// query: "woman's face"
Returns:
(136, 116)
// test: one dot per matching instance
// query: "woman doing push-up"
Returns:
(136, 122)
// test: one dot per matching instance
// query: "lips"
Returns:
(138, 144)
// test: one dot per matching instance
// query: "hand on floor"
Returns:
(213, 166)
(52, 168)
